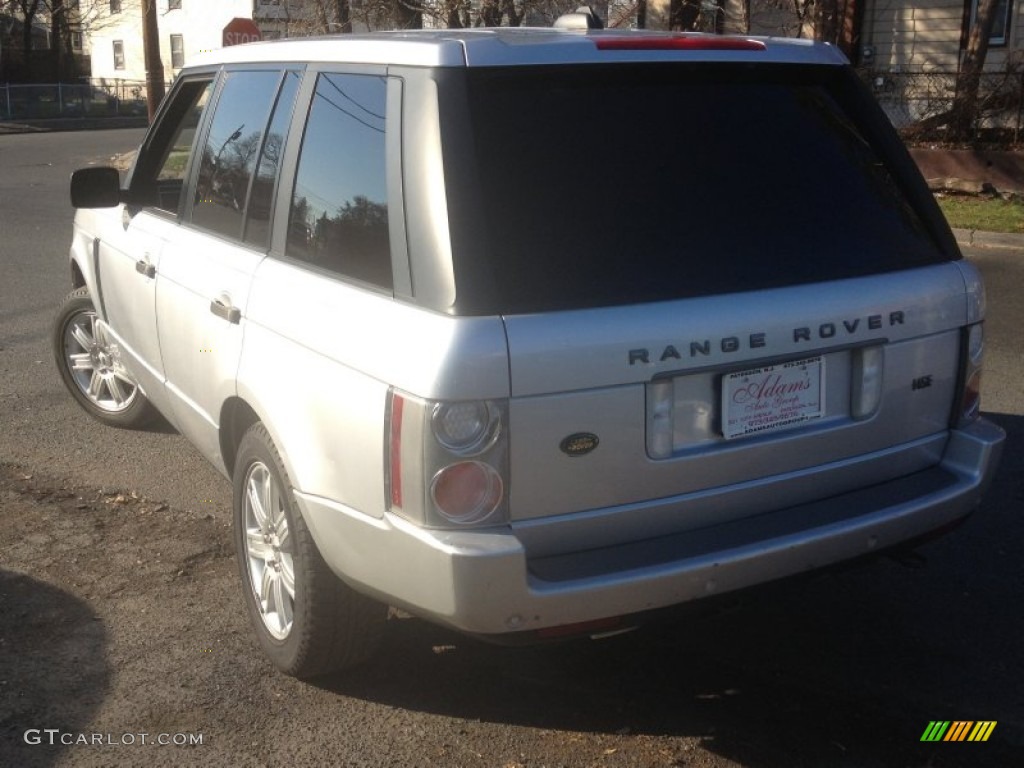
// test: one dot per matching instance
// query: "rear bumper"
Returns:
(484, 583)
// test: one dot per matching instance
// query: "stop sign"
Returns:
(240, 30)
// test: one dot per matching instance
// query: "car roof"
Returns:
(512, 46)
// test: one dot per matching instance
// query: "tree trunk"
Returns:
(490, 13)
(28, 11)
(57, 38)
(407, 16)
(344, 11)
(154, 65)
(683, 14)
(964, 113)
(515, 18)
(827, 20)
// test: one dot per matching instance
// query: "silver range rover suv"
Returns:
(530, 332)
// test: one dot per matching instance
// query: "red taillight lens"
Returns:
(970, 405)
(395, 449)
(467, 492)
(678, 43)
(973, 351)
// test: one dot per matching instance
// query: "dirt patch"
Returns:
(108, 591)
(971, 171)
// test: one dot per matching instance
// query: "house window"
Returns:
(118, 54)
(173, 5)
(177, 51)
(1001, 27)
(76, 40)
(115, 6)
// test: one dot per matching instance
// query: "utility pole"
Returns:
(154, 65)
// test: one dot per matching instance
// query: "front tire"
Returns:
(90, 366)
(307, 620)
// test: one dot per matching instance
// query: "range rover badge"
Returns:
(579, 444)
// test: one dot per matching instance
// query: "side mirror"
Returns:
(96, 188)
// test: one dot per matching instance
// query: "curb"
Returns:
(976, 238)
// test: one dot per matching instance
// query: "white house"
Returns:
(113, 32)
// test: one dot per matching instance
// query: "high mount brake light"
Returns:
(678, 43)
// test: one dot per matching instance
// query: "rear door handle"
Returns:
(226, 311)
(145, 268)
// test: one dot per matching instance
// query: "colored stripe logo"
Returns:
(958, 730)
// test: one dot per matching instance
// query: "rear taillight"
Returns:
(447, 461)
(969, 403)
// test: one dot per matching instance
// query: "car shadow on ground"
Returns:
(844, 668)
(53, 669)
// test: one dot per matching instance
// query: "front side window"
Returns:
(118, 54)
(160, 172)
(1001, 26)
(339, 214)
(232, 147)
(177, 51)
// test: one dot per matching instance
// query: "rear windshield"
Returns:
(592, 186)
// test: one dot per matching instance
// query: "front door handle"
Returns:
(145, 268)
(226, 311)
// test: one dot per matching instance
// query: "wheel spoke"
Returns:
(81, 361)
(95, 385)
(116, 393)
(256, 502)
(96, 330)
(266, 589)
(80, 335)
(282, 603)
(267, 500)
(128, 385)
(257, 548)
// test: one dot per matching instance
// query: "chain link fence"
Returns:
(916, 102)
(95, 98)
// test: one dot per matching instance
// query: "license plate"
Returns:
(773, 397)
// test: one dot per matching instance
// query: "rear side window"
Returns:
(339, 216)
(232, 147)
(599, 186)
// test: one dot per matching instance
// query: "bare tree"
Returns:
(964, 112)
(27, 11)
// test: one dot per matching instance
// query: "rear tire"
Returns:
(307, 620)
(90, 366)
